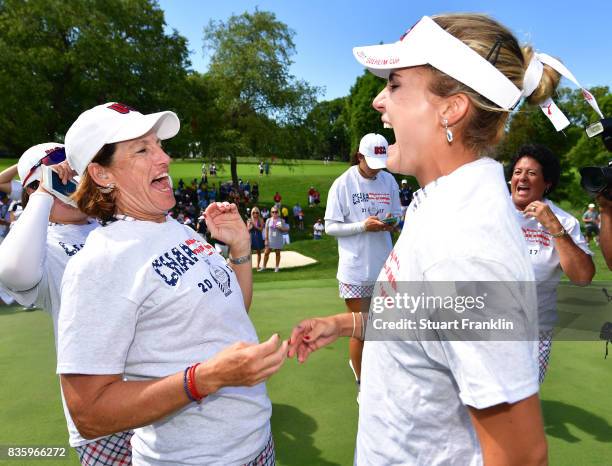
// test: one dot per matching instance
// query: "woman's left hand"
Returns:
(543, 214)
(225, 224)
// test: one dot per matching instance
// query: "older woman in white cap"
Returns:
(154, 332)
(34, 256)
(358, 204)
(427, 398)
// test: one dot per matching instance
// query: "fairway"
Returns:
(314, 409)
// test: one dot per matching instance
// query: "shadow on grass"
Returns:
(293, 436)
(558, 415)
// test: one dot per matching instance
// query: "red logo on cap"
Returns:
(121, 108)
(380, 150)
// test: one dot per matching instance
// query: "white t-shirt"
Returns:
(545, 259)
(414, 394)
(62, 243)
(146, 300)
(353, 198)
(16, 190)
(318, 229)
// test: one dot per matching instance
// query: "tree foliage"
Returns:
(361, 117)
(250, 59)
(58, 58)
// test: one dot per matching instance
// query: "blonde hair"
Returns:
(484, 126)
(256, 209)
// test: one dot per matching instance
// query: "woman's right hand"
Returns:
(373, 223)
(312, 334)
(241, 364)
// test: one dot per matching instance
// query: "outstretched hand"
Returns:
(225, 224)
(312, 334)
(243, 364)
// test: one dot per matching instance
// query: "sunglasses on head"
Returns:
(54, 157)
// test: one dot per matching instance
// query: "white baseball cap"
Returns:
(404, 181)
(112, 122)
(374, 148)
(27, 165)
(427, 43)
(591, 206)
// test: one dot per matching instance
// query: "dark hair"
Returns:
(355, 158)
(551, 168)
(89, 198)
(25, 196)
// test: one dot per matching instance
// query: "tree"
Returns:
(360, 115)
(249, 61)
(329, 132)
(58, 58)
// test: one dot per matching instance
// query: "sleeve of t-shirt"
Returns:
(335, 210)
(96, 323)
(489, 373)
(572, 226)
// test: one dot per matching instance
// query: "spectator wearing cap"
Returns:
(49, 234)
(591, 224)
(146, 292)
(405, 196)
(358, 202)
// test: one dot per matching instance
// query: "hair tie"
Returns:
(495, 50)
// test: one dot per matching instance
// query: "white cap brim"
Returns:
(166, 125)
(376, 163)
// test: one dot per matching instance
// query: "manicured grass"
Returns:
(315, 413)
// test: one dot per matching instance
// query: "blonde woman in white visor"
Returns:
(451, 83)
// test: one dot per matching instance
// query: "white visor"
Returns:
(427, 43)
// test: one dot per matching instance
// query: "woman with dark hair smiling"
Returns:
(553, 236)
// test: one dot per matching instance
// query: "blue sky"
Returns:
(326, 30)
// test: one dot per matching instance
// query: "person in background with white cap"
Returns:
(34, 256)
(405, 196)
(358, 202)
(591, 224)
(154, 332)
(452, 81)
(554, 241)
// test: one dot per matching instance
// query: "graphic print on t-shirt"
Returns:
(71, 249)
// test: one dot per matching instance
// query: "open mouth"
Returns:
(522, 189)
(162, 183)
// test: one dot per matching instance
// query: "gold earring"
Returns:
(107, 189)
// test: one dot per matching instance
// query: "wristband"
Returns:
(240, 260)
(563, 232)
(192, 389)
(186, 385)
